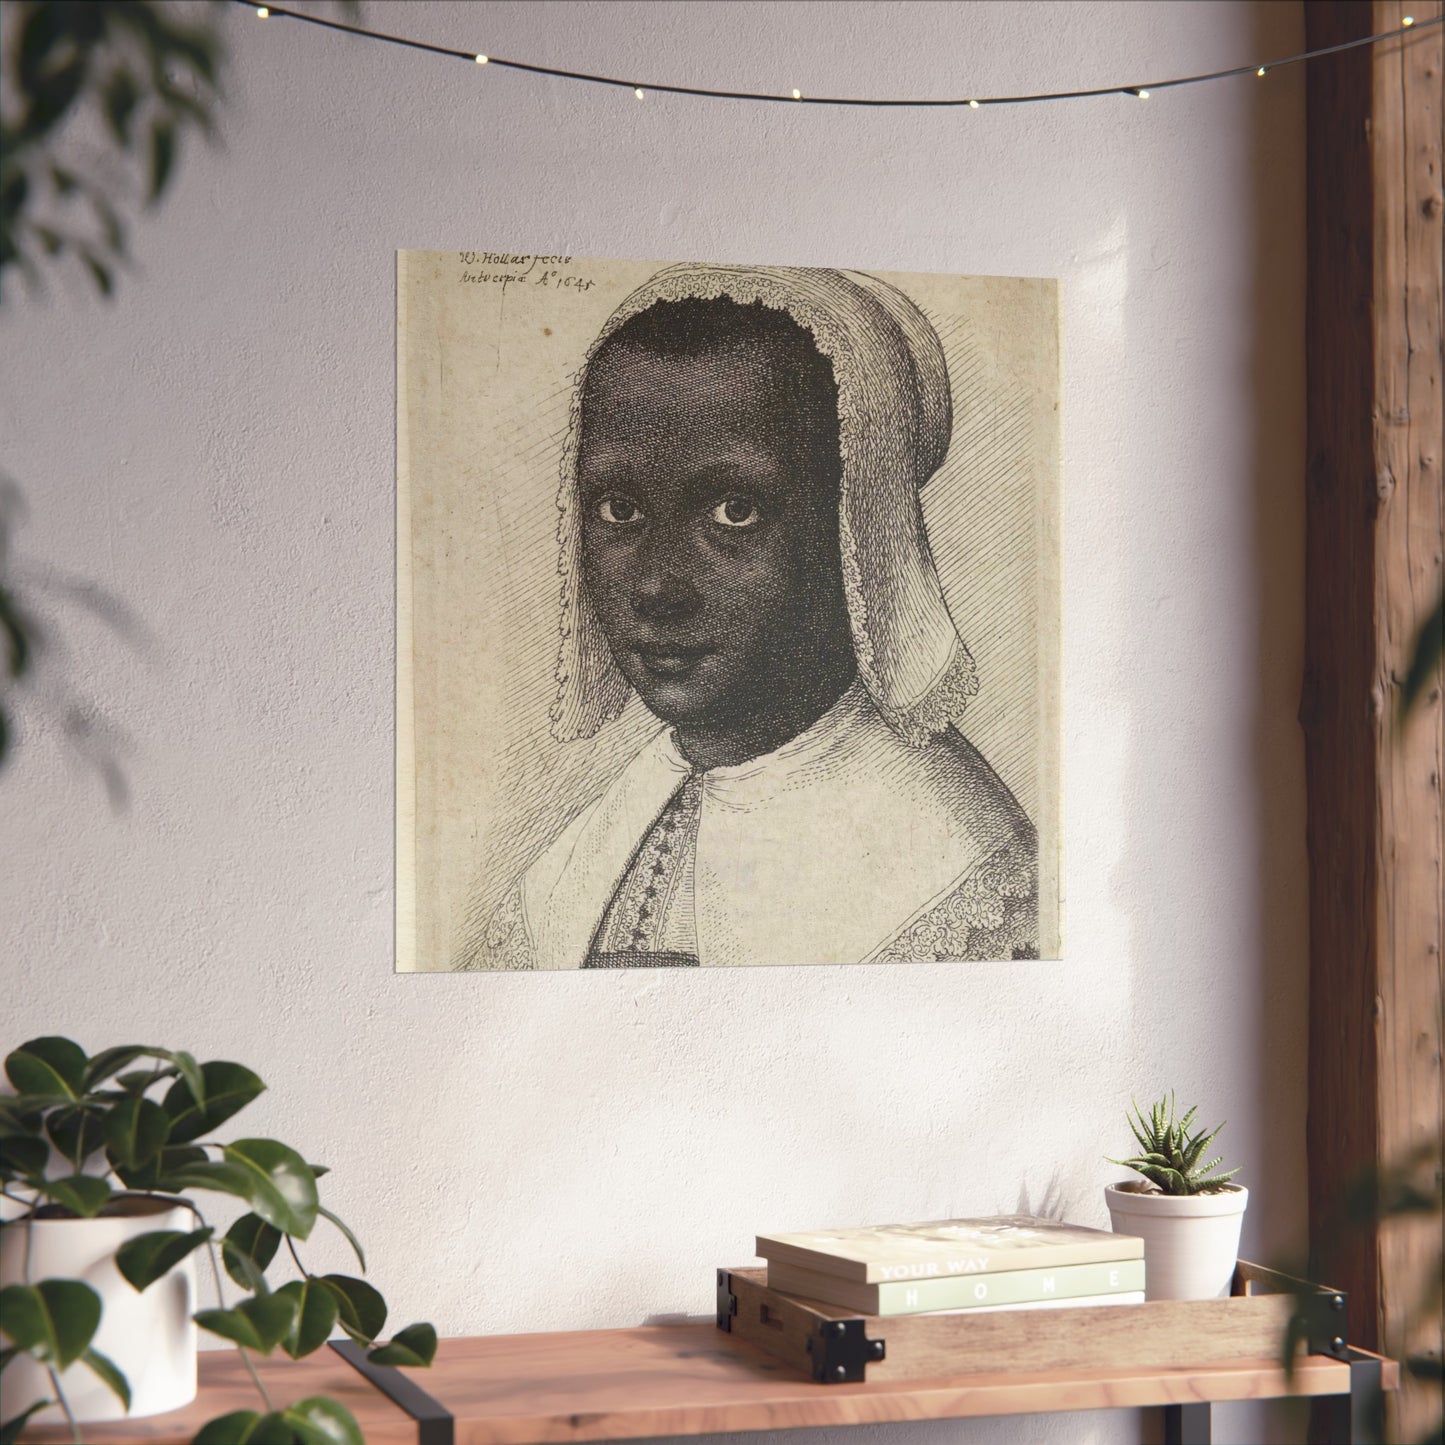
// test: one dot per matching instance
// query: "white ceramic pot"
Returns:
(1191, 1241)
(150, 1336)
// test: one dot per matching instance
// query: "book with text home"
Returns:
(938, 1248)
(961, 1292)
(1088, 1301)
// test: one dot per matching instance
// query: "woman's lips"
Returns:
(669, 660)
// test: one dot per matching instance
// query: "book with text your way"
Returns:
(941, 1248)
(964, 1291)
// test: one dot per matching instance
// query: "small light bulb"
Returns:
(1142, 94)
(482, 59)
(973, 105)
(638, 92)
(1260, 72)
(1408, 21)
(797, 95)
(262, 12)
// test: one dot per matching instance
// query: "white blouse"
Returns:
(848, 844)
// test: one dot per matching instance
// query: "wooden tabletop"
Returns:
(685, 1380)
(226, 1386)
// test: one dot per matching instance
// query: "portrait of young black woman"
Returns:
(742, 548)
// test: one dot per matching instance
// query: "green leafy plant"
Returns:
(147, 72)
(1171, 1156)
(83, 1134)
(101, 98)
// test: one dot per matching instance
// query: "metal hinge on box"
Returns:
(841, 1352)
(727, 1301)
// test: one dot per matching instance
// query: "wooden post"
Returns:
(1374, 544)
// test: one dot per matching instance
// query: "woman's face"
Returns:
(710, 535)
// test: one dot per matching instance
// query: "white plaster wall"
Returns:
(215, 448)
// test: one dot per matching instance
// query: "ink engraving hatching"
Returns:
(730, 618)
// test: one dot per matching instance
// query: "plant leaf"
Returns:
(232, 1429)
(415, 1345)
(136, 1131)
(137, 1081)
(193, 1074)
(207, 1174)
(248, 1248)
(11, 1430)
(361, 1309)
(351, 1239)
(110, 1373)
(178, 1061)
(84, 1194)
(149, 1257)
(163, 155)
(21, 1157)
(121, 97)
(1429, 647)
(227, 1087)
(76, 1130)
(319, 1421)
(100, 274)
(1426, 1367)
(316, 1311)
(111, 1061)
(155, 1173)
(259, 1323)
(22, 1118)
(245, 1427)
(282, 1188)
(49, 1065)
(55, 1320)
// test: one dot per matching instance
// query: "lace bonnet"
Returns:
(895, 417)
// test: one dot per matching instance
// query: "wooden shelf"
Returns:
(688, 1380)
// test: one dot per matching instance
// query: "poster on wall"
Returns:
(728, 615)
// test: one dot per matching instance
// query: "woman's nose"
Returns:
(663, 590)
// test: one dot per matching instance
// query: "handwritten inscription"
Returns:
(500, 268)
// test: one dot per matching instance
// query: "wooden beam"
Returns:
(1374, 544)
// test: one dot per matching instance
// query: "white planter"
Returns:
(1191, 1241)
(150, 1336)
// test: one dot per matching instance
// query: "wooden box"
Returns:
(835, 1345)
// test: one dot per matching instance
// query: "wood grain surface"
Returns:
(1409, 541)
(696, 1379)
(1158, 1334)
(1374, 547)
(688, 1380)
(226, 1386)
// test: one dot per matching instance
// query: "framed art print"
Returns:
(728, 615)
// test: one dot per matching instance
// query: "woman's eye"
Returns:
(618, 511)
(736, 512)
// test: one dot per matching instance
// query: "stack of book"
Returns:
(1012, 1261)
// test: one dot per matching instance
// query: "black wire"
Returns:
(972, 101)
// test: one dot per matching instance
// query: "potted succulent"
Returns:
(102, 1229)
(1187, 1213)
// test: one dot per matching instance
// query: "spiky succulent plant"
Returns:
(1169, 1154)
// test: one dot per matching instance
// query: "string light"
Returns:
(590, 78)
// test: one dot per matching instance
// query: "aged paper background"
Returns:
(488, 346)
